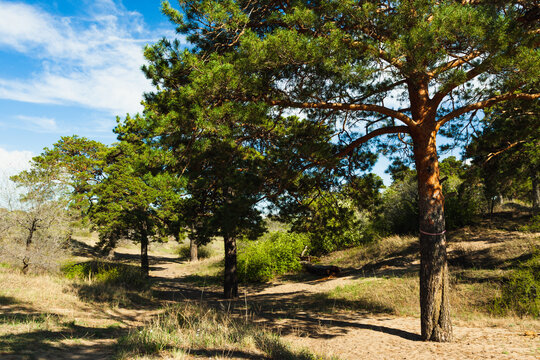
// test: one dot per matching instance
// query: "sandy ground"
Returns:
(352, 336)
(396, 338)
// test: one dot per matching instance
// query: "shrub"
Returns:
(521, 293)
(184, 252)
(533, 226)
(348, 229)
(277, 254)
(463, 201)
(108, 273)
(399, 212)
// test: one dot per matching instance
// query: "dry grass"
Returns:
(481, 259)
(197, 330)
(41, 314)
(385, 249)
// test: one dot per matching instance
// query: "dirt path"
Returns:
(358, 336)
(284, 308)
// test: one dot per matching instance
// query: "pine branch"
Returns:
(483, 104)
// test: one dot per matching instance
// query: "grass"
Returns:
(482, 259)
(205, 272)
(195, 329)
(372, 253)
(394, 295)
(53, 314)
(42, 314)
(108, 282)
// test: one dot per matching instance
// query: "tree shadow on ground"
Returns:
(304, 314)
(51, 344)
(192, 287)
(80, 248)
(7, 300)
(488, 258)
(152, 259)
(32, 334)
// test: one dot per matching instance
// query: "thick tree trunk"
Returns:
(193, 250)
(144, 253)
(434, 284)
(230, 284)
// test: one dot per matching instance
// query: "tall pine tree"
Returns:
(404, 70)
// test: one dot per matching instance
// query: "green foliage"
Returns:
(507, 151)
(521, 294)
(399, 210)
(463, 193)
(335, 219)
(533, 226)
(107, 273)
(276, 254)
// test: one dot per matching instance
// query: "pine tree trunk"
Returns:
(144, 253)
(434, 284)
(193, 250)
(230, 284)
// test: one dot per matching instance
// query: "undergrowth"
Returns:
(264, 259)
(102, 281)
(521, 293)
(202, 331)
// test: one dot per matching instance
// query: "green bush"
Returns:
(399, 210)
(533, 226)
(122, 275)
(521, 294)
(264, 259)
(184, 252)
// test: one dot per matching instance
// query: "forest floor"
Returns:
(370, 311)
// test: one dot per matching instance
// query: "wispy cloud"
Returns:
(38, 124)
(94, 61)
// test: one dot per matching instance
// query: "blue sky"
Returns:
(70, 67)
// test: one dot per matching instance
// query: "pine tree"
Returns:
(363, 69)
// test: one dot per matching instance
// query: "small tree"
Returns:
(39, 230)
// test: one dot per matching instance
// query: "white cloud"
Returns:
(38, 124)
(13, 162)
(94, 62)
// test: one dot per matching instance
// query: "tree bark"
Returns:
(29, 239)
(434, 284)
(535, 192)
(230, 284)
(193, 250)
(144, 253)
